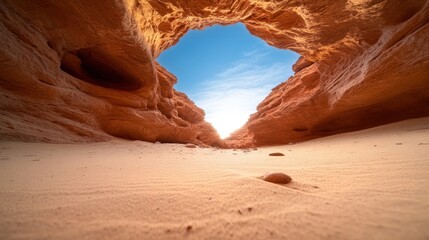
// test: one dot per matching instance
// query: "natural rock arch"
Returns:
(364, 63)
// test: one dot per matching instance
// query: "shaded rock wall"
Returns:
(74, 71)
(85, 70)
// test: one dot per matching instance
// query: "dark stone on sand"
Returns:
(276, 154)
(278, 177)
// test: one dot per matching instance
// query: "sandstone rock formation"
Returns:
(370, 67)
(86, 71)
(74, 71)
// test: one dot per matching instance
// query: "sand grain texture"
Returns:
(343, 188)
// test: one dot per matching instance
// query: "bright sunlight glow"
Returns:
(227, 72)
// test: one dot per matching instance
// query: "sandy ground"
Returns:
(372, 184)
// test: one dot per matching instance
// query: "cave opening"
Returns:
(227, 72)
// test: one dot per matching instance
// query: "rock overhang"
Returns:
(356, 55)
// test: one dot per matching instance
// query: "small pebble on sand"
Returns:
(277, 177)
(190, 145)
(276, 154)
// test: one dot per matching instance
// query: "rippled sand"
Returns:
(372, 184)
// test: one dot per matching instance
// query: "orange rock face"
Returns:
(80, 71)
(74, 71)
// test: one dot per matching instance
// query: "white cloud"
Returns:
(233, 94)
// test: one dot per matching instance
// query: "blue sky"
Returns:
(227, 72)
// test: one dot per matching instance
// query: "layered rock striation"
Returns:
(74, 71)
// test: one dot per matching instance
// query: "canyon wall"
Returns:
(79, 71)
(74, 71)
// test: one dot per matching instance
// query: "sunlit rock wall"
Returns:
(75, 71)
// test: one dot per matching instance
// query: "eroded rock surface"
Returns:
(73, 71)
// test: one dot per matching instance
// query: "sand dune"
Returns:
(372, 184)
